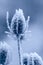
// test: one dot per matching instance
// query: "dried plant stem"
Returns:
(19, 51)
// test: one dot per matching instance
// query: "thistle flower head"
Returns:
(4, 53)
(18, 24)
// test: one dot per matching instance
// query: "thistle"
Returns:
(5, 53)
(35, 59)
(17, 27)
(32, 59)
(25, 59)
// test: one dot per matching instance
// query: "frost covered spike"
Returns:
(7, 17)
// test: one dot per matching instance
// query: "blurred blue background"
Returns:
(33, 8)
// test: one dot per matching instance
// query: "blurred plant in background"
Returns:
(5, 53)
(32, 59)
(25, 59)
(17, 28)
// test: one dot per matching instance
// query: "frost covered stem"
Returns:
(19, 51)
